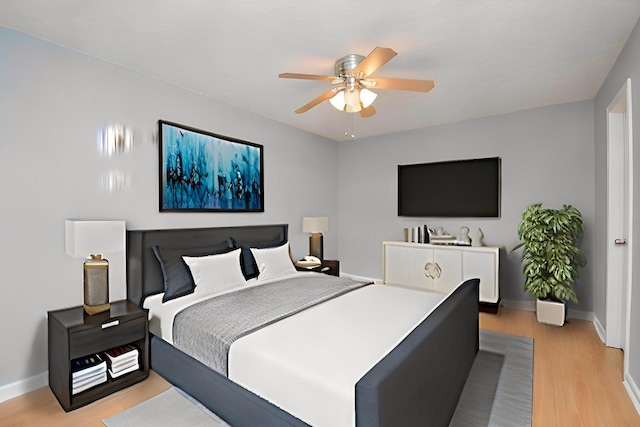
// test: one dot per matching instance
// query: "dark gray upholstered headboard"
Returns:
(144, 276)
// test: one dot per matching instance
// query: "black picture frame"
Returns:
(202, 171)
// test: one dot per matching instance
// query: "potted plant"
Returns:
(551, 258)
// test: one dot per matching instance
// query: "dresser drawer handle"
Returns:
(110, 324)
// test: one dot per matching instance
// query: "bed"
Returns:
(416, 382)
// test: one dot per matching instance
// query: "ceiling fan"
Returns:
(352, 83)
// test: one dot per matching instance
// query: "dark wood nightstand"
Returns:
(328, 266)
(74, 334)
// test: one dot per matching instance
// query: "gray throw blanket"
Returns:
(206, 330)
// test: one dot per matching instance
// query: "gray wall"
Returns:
(627, 66)
(52, 101)
(547, 156)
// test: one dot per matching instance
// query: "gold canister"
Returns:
(96, 285)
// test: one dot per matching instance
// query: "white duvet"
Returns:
(308, 364)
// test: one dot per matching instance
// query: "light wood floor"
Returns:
(577, 382)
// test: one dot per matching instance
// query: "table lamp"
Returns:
(315, 225)
(89, 240)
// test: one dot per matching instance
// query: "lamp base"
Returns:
(96, 285)
(95, 309)
(316, 246)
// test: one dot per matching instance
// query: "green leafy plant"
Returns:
(551, 255)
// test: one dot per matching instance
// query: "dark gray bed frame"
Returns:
(418, 383)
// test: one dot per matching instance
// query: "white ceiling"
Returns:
(487, 57)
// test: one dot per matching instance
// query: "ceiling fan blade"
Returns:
(404, 84)
(306, 77)
(376, 59)
(326, 95)
(365, 113)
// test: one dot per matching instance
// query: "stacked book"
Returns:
(122, 360)
(87, 372)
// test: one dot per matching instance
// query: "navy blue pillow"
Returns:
(177, 277)
(248, 263)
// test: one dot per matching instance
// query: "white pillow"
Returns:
(216, 273)
(273, 262)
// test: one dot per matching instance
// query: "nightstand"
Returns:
(73, 334)
(328, 266)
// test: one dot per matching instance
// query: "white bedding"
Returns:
(309, 363)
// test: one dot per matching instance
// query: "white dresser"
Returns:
(441, 267)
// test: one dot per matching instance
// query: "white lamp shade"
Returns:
(367, 97)
(338, 101)
(83, 238)
(315, 224)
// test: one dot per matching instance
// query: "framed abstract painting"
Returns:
(204, 172)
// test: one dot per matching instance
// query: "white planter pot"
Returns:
(551, 312)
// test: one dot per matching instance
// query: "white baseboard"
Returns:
(531, 306)
(581, 315)
(519, 305)
(602, 333)
(632, 390)
(9, 391)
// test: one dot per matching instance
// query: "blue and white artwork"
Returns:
(201, 171)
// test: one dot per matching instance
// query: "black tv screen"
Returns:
(460, 188)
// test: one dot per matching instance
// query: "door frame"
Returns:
(619, 157)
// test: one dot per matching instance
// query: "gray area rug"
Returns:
(499, 389)
(498, 392)
(170, 408)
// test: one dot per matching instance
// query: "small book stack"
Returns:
(122, 360)
(87, 372)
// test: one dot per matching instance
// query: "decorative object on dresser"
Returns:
(463, 238)
(201, 171)
(80, 348)
(89, 240)
(441, 268)
(479, 239)
(315, 225)
(551, 257)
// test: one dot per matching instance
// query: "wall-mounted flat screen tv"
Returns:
(461, 188)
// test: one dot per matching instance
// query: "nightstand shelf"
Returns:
(74, 334)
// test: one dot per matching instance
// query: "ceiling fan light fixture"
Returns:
(338, 101)
(352, 101)
(367, 97)
(352, 79)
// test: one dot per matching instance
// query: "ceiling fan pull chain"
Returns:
(349, 125)
(353, 125)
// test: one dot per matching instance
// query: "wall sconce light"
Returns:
(315, 225)
(115, 180)
(114, 138)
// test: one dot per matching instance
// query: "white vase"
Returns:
(551, 312)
